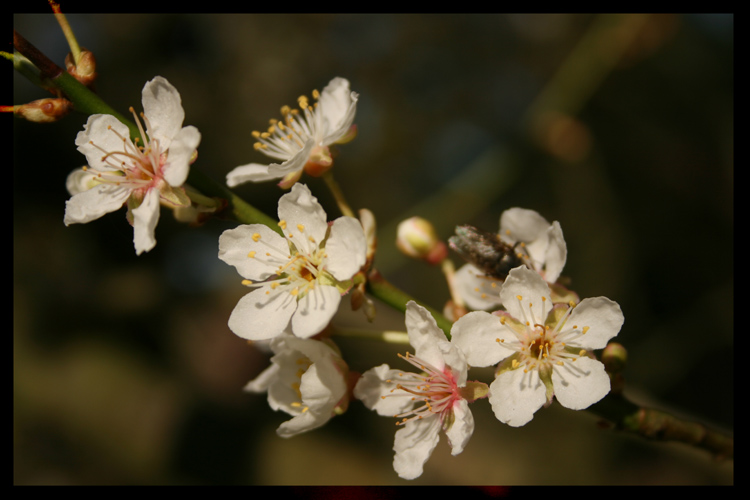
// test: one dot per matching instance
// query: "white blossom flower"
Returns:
(301, 139)
(307, 379)
(539, 244)
(120, 171)
(544, 347)
(441, 389)
(299, 278)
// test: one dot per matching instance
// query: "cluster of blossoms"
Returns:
(539, 335)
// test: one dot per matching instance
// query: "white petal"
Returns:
(305, 218)
(263, 381)
(294, 163)
(258, 316)
(460, 431)
(180, 152)
(322, 386)
(236, 244)
(315, 310)
(373, 385)
(302, 422)
(80, 180)
(337, 105)
(527, 284)
(480, 292)
(424, 334)
(413, 445)
(145, 218)
(253, 172)
(476, 335)
(556, 253)
(92, 204)
(106, 133)
(346, 248)
(162, 106)
(603, 317)
(515, 396)
(581, 383)
(520, 224)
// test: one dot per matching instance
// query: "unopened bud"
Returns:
(614, 357)
(416, 238)
(85, 70)
(44, 110)
(349, 136)
(319, 162)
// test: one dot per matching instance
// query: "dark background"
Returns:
(619, 127)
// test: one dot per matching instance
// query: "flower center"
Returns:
(436, 389)
(136, 167)
(285, 137)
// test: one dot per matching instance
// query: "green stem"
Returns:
(661, 426)
(380, 288)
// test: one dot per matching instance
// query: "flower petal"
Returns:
(521, 224)
(527, 284)
(462, 428)
(337, 105)
(260, 316)
(556, 253)
(480, 292)
(181, 151)
(237, 245)
(603, 317)
(346, 248)
(315, 310)
(162, 106)
(306, 222)
(101, 134)
(580, 384)
(424, 334)
(376, 391)
(413, 445)
(253, 172)
(302, 422)
(477, 334)
(92, 204)
(515, 396)
(145, 219)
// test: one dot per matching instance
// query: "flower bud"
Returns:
(416, 238)
(44, 110)
(85, 70)
(614, 357)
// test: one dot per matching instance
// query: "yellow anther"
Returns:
(560, 363)
(484, 295)
(251, 254)
(300, 227)
(582, 352)
(256, 134)
(274, 285)
(256, 237)
(247, 282)
(265, 135)
(295, 404)
(585, 329)
(257, 146)
(544, 299)
(316, 94)
(572, 304)
(493, 284)
(282, 224)
(514, 364)
(285, 110)
(295, 291)
(519, 297)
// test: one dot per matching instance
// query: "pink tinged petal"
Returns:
(515, 396)
(346, 248)
(462, 428)
(305, 219)
(424, 335)
(337, 105)
(180, 152)
(254, 172)
(260, 316)
(238, 247)
(97, 130)
(477, 334)
(556, 253)
(145, 218)
(602, 316)
(455, 360)
(581, 383)
(477, 289)
(527, 284)
(413, 445)
(520, 224)
(92, 204)
(162, 106)
(315, 310)
(373, 385)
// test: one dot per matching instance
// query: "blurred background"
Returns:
(618, 126)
